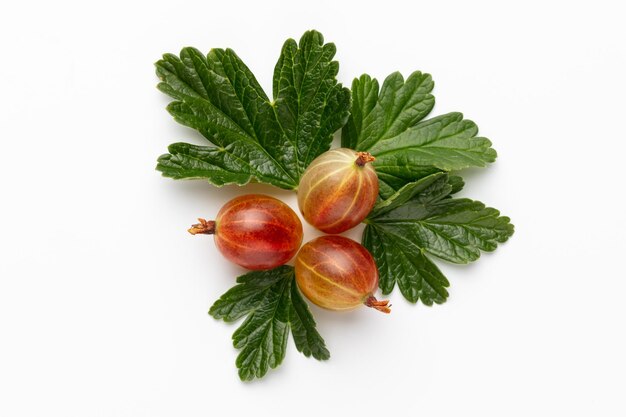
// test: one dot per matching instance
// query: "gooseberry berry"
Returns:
(338, 190)
(338, 273)
(254, 231)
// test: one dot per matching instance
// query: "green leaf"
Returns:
(447, 142)
(307, 339)
(389, 124)
(428, 189)
(272, 303)
(262, 337)
(252, 290)
(392, 178)
(422, 219)
(186, 161)
(399, 106)
(310, 104)
(456, 183)
(252, 138)
(400, 260)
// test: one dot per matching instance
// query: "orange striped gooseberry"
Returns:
(338, 273)
(338, 190)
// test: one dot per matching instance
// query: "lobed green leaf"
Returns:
(389, 124)
(252, 138)
(305, 335)
(272, 304)
(421, 219)
(401, 261)
(310, 105)
(251, 292)
(263, 335)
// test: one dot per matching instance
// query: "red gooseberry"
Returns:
(338, 273)
(254, 231)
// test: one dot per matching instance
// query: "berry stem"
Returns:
(382, 306)
(205, 227)
(363, 158)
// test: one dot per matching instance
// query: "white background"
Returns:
(104, 295)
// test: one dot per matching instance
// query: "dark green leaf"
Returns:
(186, 161)
(421, 218)
(307, 339)
(219, 97)
(251, 292)
(456, 183)
(399, 106)
(447, 142)
(431, 187)
(309, 103)
(262, 337)
(389, 125)
(250, 137)
(391, 178)
(273, 305)
(400, 260)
